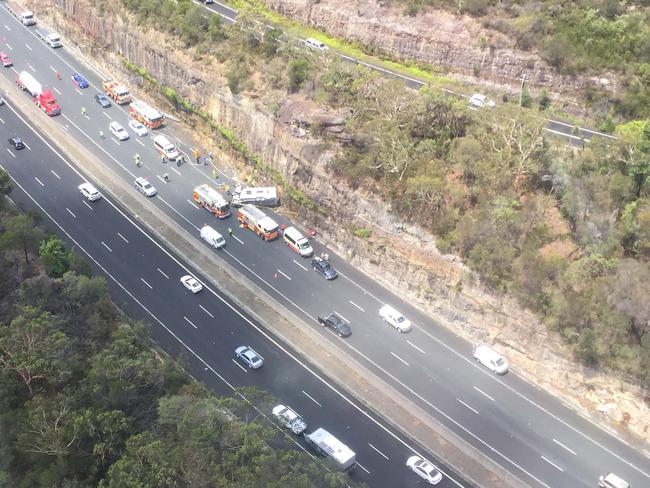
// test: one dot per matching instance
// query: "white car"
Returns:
(479, 101)
(491, 359)
(138, 127)
(191, 283)
(118, 131)
(249, 357)
(289, 419)
(144, 187)
(394, 318)
(89, 192)
(424, 469)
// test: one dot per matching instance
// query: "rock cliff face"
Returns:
(403, 257)
(452, 43)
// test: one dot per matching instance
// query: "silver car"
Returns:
(89, 192)
(249, 357)
(424, 469)
(144, 187)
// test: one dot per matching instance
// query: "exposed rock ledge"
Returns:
(403, 257)
(458, 44)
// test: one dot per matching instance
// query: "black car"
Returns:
(103, 100)
(323, 267)
(336, 323)
(17, 142)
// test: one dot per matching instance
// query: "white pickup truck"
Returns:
(52, 39)
(289, 419)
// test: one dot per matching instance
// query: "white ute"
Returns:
(289, 419)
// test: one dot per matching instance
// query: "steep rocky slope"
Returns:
(403, 257)
(455, 44)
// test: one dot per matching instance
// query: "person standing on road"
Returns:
(83, 111)
(197, 155)
(163, 158)
(230, 231)
(101, 134)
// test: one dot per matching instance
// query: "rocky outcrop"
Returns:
(456, 44)
(402, 256)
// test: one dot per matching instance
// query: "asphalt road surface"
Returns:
(526, 430)
(205, 328)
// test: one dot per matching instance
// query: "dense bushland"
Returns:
(567, 231)
(86, 400)
(585, 36)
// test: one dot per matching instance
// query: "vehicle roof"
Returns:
(332, 445)
(616, 481)
(294, 233)
(145, 109)
(487, 351)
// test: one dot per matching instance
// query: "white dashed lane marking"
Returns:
(311, 398)
(483, 393)
(466, 405)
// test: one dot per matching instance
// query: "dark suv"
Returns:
(323, 267)
(336, 323)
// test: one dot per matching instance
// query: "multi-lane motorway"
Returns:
(525, 430)
(205, 328)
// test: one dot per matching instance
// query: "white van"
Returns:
(212, 237)
(610, 480)
(27, 17)
(394, 318)
(491, 359)
(296, 241)
(312, 43)
(165, 147)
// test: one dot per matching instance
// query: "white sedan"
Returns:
(139, 128)
(424, 469)
(191, 283)
(89, 192)
(118, 131)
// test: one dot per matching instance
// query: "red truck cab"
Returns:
(47, 102)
